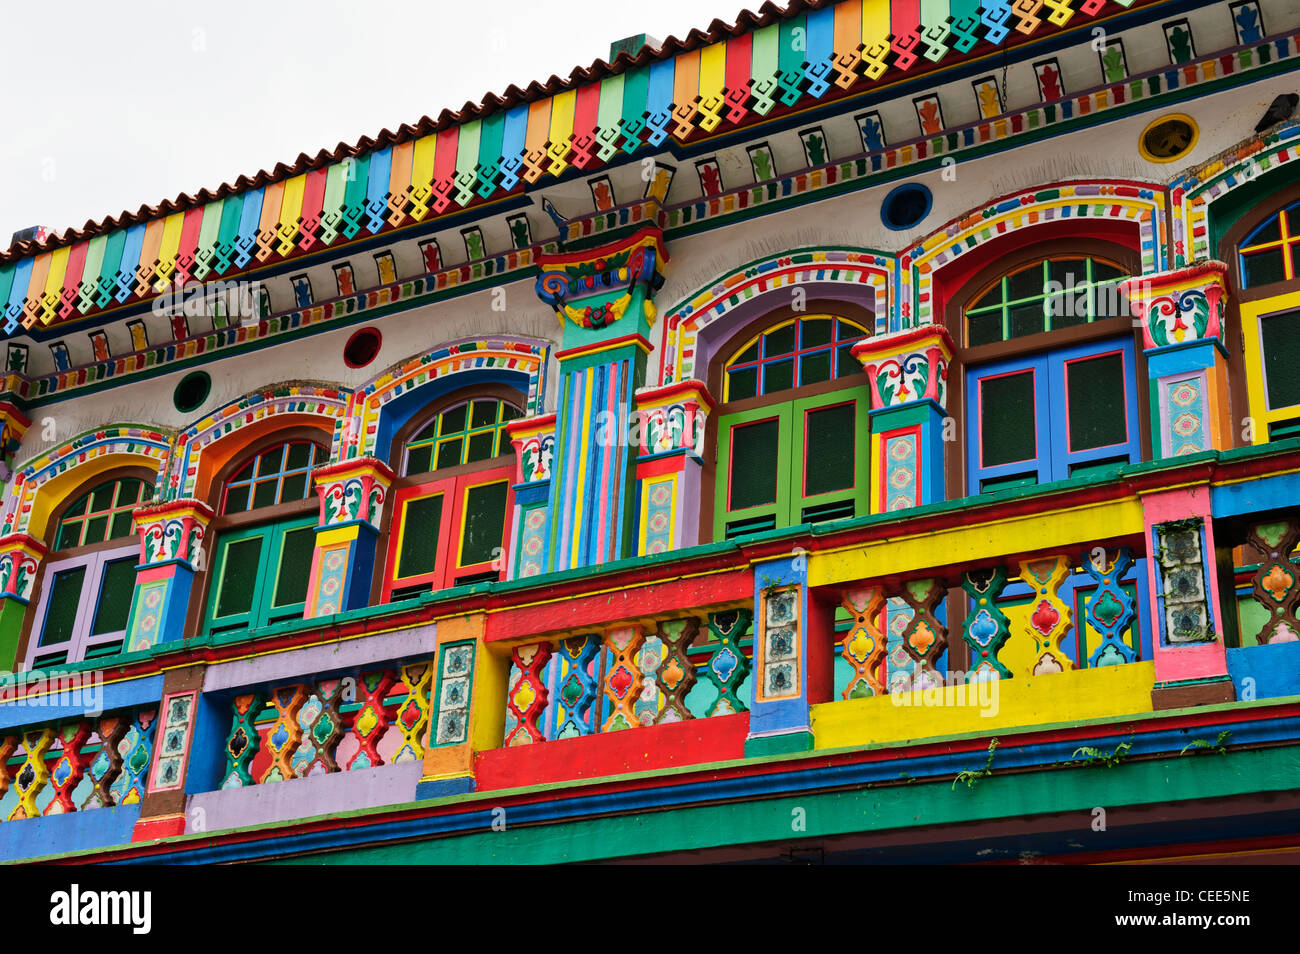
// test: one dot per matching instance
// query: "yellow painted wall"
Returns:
(1107, 692)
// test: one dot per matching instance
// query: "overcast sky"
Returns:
(111, 105)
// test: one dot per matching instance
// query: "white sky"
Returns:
(111, 105)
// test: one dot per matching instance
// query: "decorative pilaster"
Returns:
(534, 443)
(793, 668)
(467, 706)
(1182, 316)
(20, 559)
(908, 381)
(671, 422)
(13, 425)
(604, 299)
(1185, 616)
(171, 541)
(162, 808)
(352, 495)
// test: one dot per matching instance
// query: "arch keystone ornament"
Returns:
(1182, 315)
(908, 381)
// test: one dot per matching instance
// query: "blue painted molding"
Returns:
(94, 699)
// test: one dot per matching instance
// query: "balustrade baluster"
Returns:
(728, 667)
(33, 774)
(285, 733)
(322, 729)
(1111, 610)
(136, 760)
(1050, 618)
(865, 644)
(578, 688)
(70, 767)
(243, 742)
(623, 677)
(924, 638)
(413, 713)
(371, 721)
(676, 676)
(8, 746)
(527, 696)
(987, 627)
(106, 767)
(1275, 582)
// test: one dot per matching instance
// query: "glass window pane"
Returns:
(239, 572)
(295, 567)
(847, 332)
(115, 592)
(485, 521)
(742, 384)
(1263, 268)
(1067, 310)
(815, 332)
(779, 342)
(453, 420)
(295, 488)
(236, 500)
(1027, 283)
(264, 493)
(421, 520)
(754, 464)
(448, 454)
(96, 530)
(417, 459)
(1095, 387)
(428, 432)
(69, 535)
(480, 447)
(1068, 272)
(268, 462)
(1102, 272)
(483, 414)
(510, 412)
(846, 364)
(65, 597)
(121, 525)
(749, 354)
(78, 508)
(778, 376)
(990, 298)
(1280, 338)
(1026, 319)
(985, 328)
(1270, 231)
(815, 368)
(246, 472)
(829, 449)
(1007, 419)
(299, 456)
(102, 497)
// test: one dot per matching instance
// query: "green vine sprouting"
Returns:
(1219, 745)
(1099, 757)
(973, 776)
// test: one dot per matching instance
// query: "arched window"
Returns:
(792, 431)
(266, 536)
(89, 577)
(1046, 396)
(1268, 257)
(1271, 252)
(452, 502)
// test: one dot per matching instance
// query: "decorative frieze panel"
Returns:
(1180, 568)
(907, 366)
(455, 693)
(777, 644)
(352, 490)
(1180, 306)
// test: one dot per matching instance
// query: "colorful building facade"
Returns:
(870, 431)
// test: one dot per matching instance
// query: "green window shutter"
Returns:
(828, 455)
(238, 576)
(1095, 387)
(61, 612)
(830, 460)
(421, 519)
(483, 522)
(754, 464)
(1280, 342)
(116, 587)
(293, 572)
(1007, 419)
(752, 487)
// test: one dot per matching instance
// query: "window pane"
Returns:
(236, 500)
(779, 342)
(846, 364)
(449, 454)
(485, 521)
(753, 464)
(1068, 272)
(1263, 268)
(1007, 419)
(1271, 231)
(65, 597)
(295, 566)
(453, 420)
(816, 331)
(990, 298)
(484, 413)
(815, 368)
(848, 332)
(985, 328)
(1026, 319)
(742, 384)
(115, 593)
(828, 450)
(1280, 336)
(246, 473)
(96, 528)
(420, 524)
(78, 508)
(749, 354)
(121, 525)
(295, 488)
(428, 432)
(1096, 393)
(778, 377)
(299, 456)
(480, 446)
(417, 460)
(1025, 284)
(239, 573)
(102, 498)
(1102, 272)
(69, 536)
(268, 462)
(264, 493)
(1067, 310)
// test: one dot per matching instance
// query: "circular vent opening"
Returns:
(192, 391)
(906, 206)
(362, 348)
(1168, 138)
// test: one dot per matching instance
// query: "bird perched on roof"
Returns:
(1281, 109)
